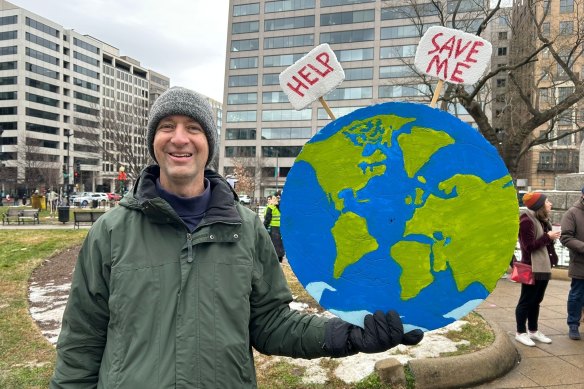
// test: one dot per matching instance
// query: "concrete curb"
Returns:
(461, 370)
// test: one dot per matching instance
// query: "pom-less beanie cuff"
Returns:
(182, 101)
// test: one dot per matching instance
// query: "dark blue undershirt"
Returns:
(190, 209)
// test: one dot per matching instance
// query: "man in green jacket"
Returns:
(174, 287)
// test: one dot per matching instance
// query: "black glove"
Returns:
(382, 331)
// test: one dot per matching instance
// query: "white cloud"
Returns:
(184, 40)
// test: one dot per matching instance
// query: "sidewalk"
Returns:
(556, 365)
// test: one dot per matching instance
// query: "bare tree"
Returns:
(40, 170)
(534, 47)
(247, 171)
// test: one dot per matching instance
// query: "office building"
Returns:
(72, 109)
(375, 42)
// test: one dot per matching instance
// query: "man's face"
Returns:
(181, 150)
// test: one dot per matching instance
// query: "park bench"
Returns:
(29, 215)
(11, 215)
(88, 217)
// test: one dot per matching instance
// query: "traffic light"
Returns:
(65, 170)
(78, 167)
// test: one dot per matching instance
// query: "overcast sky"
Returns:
(182, 39)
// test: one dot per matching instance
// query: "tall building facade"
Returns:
(559, 23)
(70, 106)
(374, 40)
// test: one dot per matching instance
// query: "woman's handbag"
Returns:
(522, 273)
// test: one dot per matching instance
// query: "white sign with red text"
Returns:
(452, 55)
(312, 76)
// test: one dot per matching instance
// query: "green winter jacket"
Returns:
(154, 306)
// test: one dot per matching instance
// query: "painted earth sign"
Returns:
(399, 206)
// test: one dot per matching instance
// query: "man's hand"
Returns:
(382, 331)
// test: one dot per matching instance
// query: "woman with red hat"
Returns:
(536, 240)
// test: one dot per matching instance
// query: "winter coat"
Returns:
(573, 238)
(537, 248)
(154, 306)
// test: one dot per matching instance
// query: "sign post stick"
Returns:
(326, 108)
(436, 93)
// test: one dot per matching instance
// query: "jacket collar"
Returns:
(144, 197)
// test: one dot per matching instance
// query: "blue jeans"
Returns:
(575, 301)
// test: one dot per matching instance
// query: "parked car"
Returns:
(245, 199)
(113, 197)
(84, 201)
(74, 195)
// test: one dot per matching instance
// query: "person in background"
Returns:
(536, 240)
(175, 286)
(272, 224)
(573, 238)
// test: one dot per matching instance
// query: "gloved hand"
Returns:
(382, 331)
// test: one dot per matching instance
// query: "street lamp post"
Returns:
(67, 133)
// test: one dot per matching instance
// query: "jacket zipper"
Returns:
(190, 247)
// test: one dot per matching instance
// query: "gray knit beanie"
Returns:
(182, 101)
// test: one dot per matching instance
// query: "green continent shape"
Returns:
(474, 233)
(352, 240)
(419, 145)
(413, 257)
(338, 160)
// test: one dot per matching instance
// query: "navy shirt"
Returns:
(190, 209)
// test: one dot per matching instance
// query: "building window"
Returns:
(246, 9)
(289, 41)
(281, 60)
(243, 80)
(396, 71)
(566, 6)
(245, 45)
(354, 55)
(245, 27)
(289, 23)
(501, 82)
(286, 114)
(242, 98)
(334, 3)
(243, 63)
(501, 51)
(287, 5)
(350, 93)
(350, 17)
(353, 74)
(287, 133)
(271, 79)
(364, 35)
(274, 97)
(240, 151)
(240, 133)
(398, 51)
(502, 35)
(389, 91)
(409, 11)
(281, 151)
(566, 28)
(241, 116)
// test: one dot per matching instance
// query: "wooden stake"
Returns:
(326, 108)
(436, 93)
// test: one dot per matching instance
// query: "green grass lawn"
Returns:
(26, 357)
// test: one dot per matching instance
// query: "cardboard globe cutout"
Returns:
(398, 206)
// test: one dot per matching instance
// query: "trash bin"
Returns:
(93, 203)
(63, 214)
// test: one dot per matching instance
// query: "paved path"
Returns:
(556, 365)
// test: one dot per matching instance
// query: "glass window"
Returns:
(42, 100)
(87, 46)
(396, 71)
(86, 97)
(350, 93)
(389, 91)
(8, 80)
(358, 74)
(465, 5)
(545, 29)
(286, 114)
(6, 35)
(354, 55)
(364, 35)
(281, 60)
(281, 151)
(287, 5)
(85, 84)
(85, 71)
(245, 45)
(7, 95)
(271, 79)
(338, 112)
(240, 151)
(42, 129)
(565, 92)
(86, 58)
(409, 31)
(42, 41)
(503, 35)
(42, 85)
(274, 97)
(86, 110)
(409, 11)
(334, 3)
(42, 71)
(243, 80)
(405, 51)
(37, 113)
(243, 63)
(566, 6)
(242, 98)
(42, 56)
(241, 116)
(9, 110)
(289, 23)
(501, 82)
(42, 27)
(240, 133)
(245, 27)
(350, 17)
(246, 9)
(566, 27)
(289, 41)
(8, 50)
(6, 20)
(287, 133)
(501, 51)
